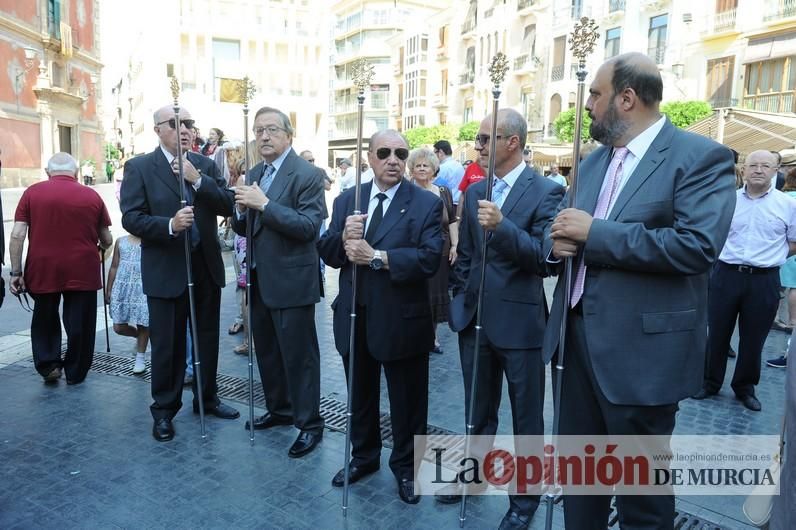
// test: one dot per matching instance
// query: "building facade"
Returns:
(49, 91)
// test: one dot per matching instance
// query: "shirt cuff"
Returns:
(552, 260)
(197, 183)
(171, 230)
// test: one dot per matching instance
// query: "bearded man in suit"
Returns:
(151, 210)
(653, 210)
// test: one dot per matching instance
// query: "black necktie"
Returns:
(375, 220)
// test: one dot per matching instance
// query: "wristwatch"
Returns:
(376, 263)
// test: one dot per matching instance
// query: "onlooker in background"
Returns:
(556, 177)
(472, 173)
(347, 175)
(787, 277)
(241, 323)
(198, 141)
(63, 222)
(422, 166)
(527, 157)
(744, 284)
(126, 298)
(214, 148)
(109, 169)
(450, 171)
(779, 177)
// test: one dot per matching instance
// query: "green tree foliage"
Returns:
(112, 152)
(684, 113)
(420, 136)
(564, 126)
(468, 131)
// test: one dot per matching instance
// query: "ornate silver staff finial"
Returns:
(582, 39)
(174, 85)
(498, 68)
(246, 90)
(362, 72)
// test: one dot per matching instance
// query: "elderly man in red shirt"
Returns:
(63, 221)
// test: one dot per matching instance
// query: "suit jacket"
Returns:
(645, 299)
(150, 196)
(514, 306)
(395, 301)
(284, 235)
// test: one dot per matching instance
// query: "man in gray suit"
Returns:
(653, 209)
(514, 306)
(287, 205)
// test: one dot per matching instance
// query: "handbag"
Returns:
(2, 290)
(758, 505)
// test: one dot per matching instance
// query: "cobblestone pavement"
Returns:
(83, 456)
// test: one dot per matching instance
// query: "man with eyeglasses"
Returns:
(151, 210)
(396, 243)
(745, 283)
(514, 309)
(63, 222)
(450, 171)
(285, 206)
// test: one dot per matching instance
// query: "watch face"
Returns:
(376, 263)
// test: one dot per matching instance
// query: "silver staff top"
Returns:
(498, 68)
(174, 85)
(582, 39)
(362, 72)
(246, 90)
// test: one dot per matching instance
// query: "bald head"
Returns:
(638, 72)
(62, 164)
(385, 134)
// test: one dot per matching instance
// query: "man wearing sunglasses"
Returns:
(514, 308)
(151, 210)
(397, 244)
(286, 206)
(63, 222)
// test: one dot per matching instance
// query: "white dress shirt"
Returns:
(373, 202)
(510, 179)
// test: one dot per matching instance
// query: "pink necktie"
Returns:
(604, 201)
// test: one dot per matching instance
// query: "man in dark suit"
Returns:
(653, 209)
(287, 206)
(150, 203)
(514, 306)
(397, 244)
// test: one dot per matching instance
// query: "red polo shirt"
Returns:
(64, 219)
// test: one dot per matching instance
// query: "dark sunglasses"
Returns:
(173, 123)
(483, 139)
(401, 153)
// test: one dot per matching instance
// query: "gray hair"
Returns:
(420, 154)
(511, 123)
(62, 163)
(286, 125)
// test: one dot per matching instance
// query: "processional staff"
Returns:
(497, 73)
(362, 73)
(175, 93)
(581, 43)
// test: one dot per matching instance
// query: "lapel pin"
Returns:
(403, 210)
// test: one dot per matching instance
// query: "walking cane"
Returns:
(581, 43)
(104, 303)
(362, 74)
(175, 92)
(246, 91)
(497, 72)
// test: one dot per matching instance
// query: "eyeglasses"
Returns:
(764, 167)
(188, 123)
(401, 153)
(483, 139)
(270, 130)
(311, 160)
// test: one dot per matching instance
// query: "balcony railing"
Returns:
(468, 26)
(557, 74)
(718, 103)
(466, 78)
(525, 61)
(616, 5)
(657, 53)
(775, 102)
(722, 21)
(775, 9)
(522, 4)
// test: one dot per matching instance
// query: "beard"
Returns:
(610, 128)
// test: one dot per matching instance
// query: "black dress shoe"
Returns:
(703, 393)
(268, 420)
(355, 473)
(163, 430)
(452, 493)
(514, 521)
(751, 402)
(225, 412)
(306, 442)
(406, 490)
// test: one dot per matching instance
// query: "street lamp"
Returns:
(30, 58)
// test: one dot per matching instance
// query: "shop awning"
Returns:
(749, 130)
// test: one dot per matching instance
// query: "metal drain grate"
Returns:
(682, 520)
(236, 389)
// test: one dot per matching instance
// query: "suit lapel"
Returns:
(164, 172)
(520, 185)
(654, 156)
(398, 207)
(590, 182)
